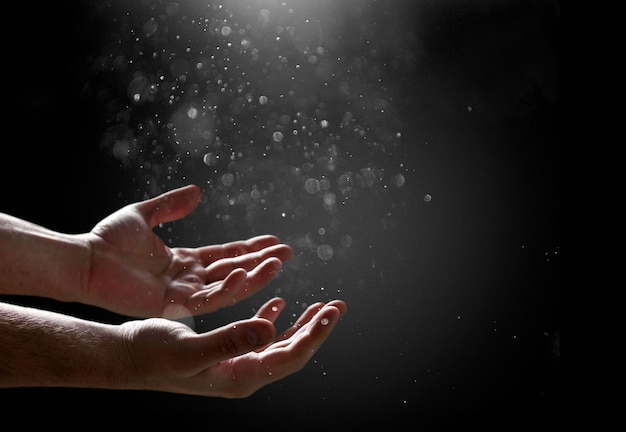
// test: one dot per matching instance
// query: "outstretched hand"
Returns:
(133, 272)
(232, 361)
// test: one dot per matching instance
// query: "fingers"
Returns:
(170, 206)
(258, 278)
(290, 355)
(217, 295)
(261, 257)
(287, 356)
(219, 269)
(236, 286)
(211, 254)
(310, 314)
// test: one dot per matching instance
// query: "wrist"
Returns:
(47, 349)
(69, 258)
(61, 261)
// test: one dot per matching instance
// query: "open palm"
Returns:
(133, 272)
(225, 362)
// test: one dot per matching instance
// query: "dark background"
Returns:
(466, 315)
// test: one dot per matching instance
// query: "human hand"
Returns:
(232, 361)
(134, 273)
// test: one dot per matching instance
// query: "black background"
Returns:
(469, 319)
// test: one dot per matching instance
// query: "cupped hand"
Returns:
(232, 361)
(133, 272)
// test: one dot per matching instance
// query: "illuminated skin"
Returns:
(133, 272)
(121, 265)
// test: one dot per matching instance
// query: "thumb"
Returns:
(170, 206)
(233, 340)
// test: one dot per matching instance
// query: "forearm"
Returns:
(43, 349)
(41, 262)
